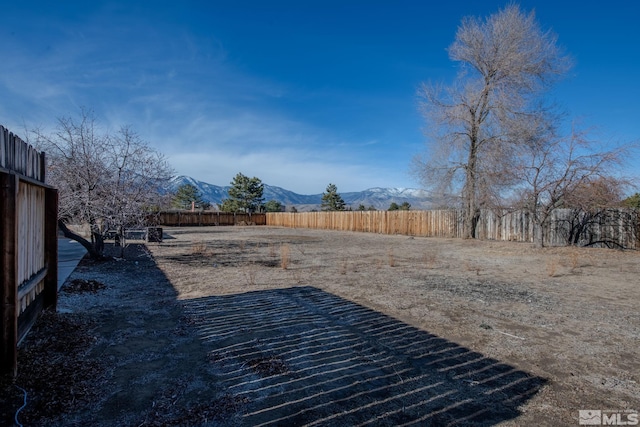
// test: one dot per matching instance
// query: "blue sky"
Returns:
(297, 93)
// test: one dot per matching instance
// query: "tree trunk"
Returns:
(123, 243)
(91, 248)
(538, 235)
(470, 203)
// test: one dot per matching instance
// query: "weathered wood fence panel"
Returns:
(619, 227)
(203, 218)
(28, 245)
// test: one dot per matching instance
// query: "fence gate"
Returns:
(28, 244)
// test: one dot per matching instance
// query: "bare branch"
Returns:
(104, 180)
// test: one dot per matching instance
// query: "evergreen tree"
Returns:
(405, 206)
(229, 205)
(331, 200)
(632, 201)
(186, 195)
(245, 195)
(273, 206)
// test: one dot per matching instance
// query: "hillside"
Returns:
(380, 198)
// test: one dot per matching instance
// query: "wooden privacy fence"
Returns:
(28, 243)
(442, 223)
(203, 218)
(617, 226)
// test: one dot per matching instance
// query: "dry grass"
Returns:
(578, 258)
(575, 260)
(343, 266)
(285, 256)
(569, 260)
(391, 258)
(297, 276)
(430, 259)
(250, 272)
(199, 248)
(552, 267)
(472, 266)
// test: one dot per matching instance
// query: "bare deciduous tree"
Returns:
(476, 125)
(569, 172)
(108, 181)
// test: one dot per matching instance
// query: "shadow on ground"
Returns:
(295, 356)
(119, 352)
(301, 356)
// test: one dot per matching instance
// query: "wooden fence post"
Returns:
(43, 168)
(50, 297)
(8, 276)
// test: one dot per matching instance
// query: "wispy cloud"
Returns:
(185, 97)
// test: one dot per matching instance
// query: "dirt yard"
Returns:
(272, 326)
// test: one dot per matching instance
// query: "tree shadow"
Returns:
(302, 356)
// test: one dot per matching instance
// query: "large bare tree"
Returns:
(475, 125)
(106, 180)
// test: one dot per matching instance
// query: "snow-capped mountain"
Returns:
(380, 198)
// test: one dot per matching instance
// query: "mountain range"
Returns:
(379, 198)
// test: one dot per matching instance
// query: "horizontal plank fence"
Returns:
(616, 227)
(204, 218)
(28, 243)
